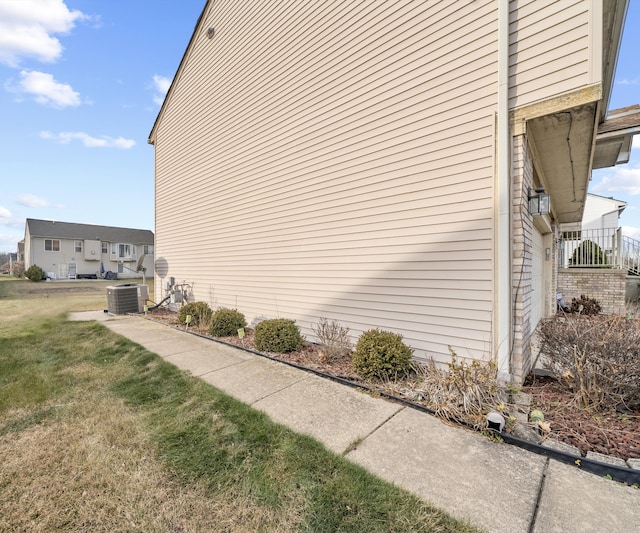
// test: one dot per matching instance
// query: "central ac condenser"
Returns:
(127, 298)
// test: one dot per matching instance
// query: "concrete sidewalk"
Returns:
(498, 487)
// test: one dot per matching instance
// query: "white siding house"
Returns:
(602, 213)
(65, 250)
(600, 226)
(372, 163)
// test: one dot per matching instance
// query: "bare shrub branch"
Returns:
(333, 337)
(597, 356)
(463, 390)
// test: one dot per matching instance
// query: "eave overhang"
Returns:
(615, 137)
(563, 142)
(566, 133)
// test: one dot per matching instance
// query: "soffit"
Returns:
(615, 137)
(563, 146)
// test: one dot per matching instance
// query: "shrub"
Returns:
(333, 338)
(278, 335)
(200, 313)
(226, 323)
(585, 306)
(381, 355)
(461, 390)
(18, 270)
(35, 273)
(597, 357)
(589, 254)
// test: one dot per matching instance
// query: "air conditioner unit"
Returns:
(127, 298)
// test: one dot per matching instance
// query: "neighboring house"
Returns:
(68, 251)
(373, 162)
(600, 225)
(596, 259)
(601, 213)
(20, 252)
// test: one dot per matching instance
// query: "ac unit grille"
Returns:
(126, 298)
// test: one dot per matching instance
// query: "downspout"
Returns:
(503, 145)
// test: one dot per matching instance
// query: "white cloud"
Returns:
(45, 89)
(31, 200)
(632, 232)
(4, 212)
(9, 241)
(161, 86)
(620, 180)
(27, 29)
(636, 142)
(87, 140)
(161, 83)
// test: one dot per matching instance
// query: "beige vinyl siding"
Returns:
(337, 161)
(549, 49)
(48, 260)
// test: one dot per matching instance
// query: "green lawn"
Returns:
(98, 434)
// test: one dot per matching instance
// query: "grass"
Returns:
(98, 434)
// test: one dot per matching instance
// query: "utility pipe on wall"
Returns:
(503, 256)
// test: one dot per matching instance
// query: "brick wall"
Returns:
(607, 286)
(522, 227)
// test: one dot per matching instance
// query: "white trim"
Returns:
(503, 229)
(595, 39)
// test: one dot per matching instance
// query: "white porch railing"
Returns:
(631, 255)
(600, 248)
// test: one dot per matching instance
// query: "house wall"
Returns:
(600, 213)
(359, 184)
(533, 295)
(632, 290)
(522, 228)
(337, 162)
(27, 248)
(550, 48)
(50, 261)
(607, 286)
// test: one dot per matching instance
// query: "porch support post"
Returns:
(619, 261)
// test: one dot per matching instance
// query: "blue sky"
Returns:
(81, 84)
(82, 81)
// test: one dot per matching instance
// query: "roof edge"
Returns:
(152, 133)
(609, 70)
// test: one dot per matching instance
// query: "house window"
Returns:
(124, 251)
(105, 247)
(51, 245)
(120, 268)
(114, 248)
(77, 246)
(148, 249)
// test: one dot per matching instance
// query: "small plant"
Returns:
(279, 335)
(461, 389)
(381, 355)
(333, 337)
(226, 323)
(200, 313)
(585, 306)
(35, 273)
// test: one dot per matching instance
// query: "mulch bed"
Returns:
(610, 433)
